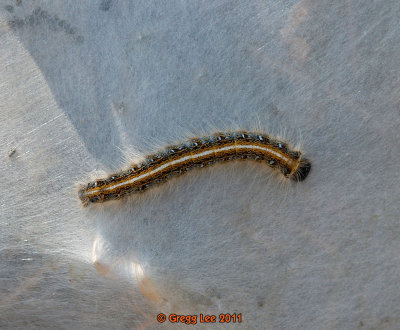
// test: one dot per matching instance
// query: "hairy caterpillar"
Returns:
(198, 152)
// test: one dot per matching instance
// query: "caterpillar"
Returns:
(198, 152)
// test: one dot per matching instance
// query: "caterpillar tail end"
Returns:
(302, 170)
(82, 196)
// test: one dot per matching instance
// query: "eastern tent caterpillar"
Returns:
(198, 152)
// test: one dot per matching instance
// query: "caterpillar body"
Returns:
(198, 152)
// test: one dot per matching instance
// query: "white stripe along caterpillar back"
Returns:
(198, 152)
